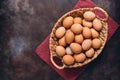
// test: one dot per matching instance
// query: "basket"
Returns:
(53, 42)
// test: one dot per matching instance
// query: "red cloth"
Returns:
(44, 53)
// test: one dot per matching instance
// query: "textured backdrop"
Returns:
(24, 24)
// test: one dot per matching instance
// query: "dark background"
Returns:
(24, 24)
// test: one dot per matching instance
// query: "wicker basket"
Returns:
(54, 41)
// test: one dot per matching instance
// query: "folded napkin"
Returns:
(44, 53)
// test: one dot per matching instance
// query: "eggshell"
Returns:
(87, 23)
(95, 34)
(87, 43)
(79, 38)
(60, 50)
(96, 43)
(75, 47)
(69, 37)
(69, 51)
(86, 32)
(68, 22)
(62, 41)
(68, 59)
(78, 20)
(60, 32)
(90, 53)
(80, 57)
(76, 28)
(89, 15)
(97, 25)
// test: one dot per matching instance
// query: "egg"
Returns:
(69, 37)
(77, 20)
(69, 51)
(68, 59)
(95, 34)
(76, 28)
(87, 43)
(62, 41)
(97, 25)
(76, 48)
(87, 23)
(90, 53)
(60, 51)
(96, 43)
(89, 15)
(79, 38)
(60, 32)
(80, 57)
(68, 22)
(86, 32)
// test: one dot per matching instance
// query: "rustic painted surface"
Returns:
(24, 24)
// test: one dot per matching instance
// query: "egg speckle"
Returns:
(76, 28)
(87, 23)
(77, 20)
(69, 37)
(95, 34)
(86, 44)
(96, 43)
(75, 47)
(60, 32)
(60, 50)
(68, 59)
(79, 38)
(97, 25)
(86, 32)
(89, 15)
(90, 53)
(68, 22)
(62, 41)
(80, 57)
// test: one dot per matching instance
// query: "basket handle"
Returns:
(102, 10)
(59, 67)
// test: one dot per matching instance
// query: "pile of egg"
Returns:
(78, 38)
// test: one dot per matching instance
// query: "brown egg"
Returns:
(97, 25)
(60, 50)
(87, 23)
(68, 22)
(60, 32)
(79, 38)
(80, 57)
(89, 15)
(90, 52)
(75, 47)
(87, 43)
(76, 28)
(95, 34)
(62, 41)
(69, 37)
(86, 32)
(68, 59)
(96, 43)
(78, 20)
(69, 51)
